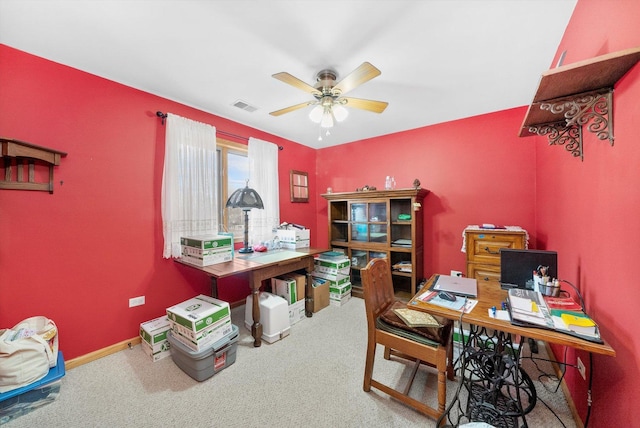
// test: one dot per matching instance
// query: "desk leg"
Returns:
(308, 300)
(498, 390)
(214, 287)
(256, 328)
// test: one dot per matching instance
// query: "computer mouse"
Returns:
(447, 296)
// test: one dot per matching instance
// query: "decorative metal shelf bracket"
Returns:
(592, 108)
(559, 133)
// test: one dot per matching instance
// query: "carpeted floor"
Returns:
(312, 378)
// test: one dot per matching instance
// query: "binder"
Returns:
(528, 308)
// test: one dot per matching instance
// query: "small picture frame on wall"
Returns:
(299, 185)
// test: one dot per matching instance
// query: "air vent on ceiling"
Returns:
(245, 106)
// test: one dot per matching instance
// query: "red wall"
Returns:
(477, 171)
(78, 255)
(588, 211)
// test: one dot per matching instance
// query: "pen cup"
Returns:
(549, 289)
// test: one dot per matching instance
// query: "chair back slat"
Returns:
(377, 287)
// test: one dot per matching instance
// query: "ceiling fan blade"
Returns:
(290, 108)
(294, 81)
(370, 105)
(357, 77)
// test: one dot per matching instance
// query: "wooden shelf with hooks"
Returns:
(17, 155)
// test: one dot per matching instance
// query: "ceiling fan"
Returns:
(329, 101)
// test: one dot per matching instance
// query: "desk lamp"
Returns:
(245, 199)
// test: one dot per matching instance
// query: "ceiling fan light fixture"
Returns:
(339, 112)
(316, 114)
(329, 102)
(327, 118)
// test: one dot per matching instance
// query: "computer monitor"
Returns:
(517, 266)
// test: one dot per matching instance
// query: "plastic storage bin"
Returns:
(274, 316)
(23, 400)
(201, 365)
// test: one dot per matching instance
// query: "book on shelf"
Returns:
(414, 318)
(401, 243)
(404, 266)
(530, 308)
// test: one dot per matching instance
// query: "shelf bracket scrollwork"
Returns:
(593, 109)
(561, 134)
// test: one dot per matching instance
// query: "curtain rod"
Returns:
(163, 116)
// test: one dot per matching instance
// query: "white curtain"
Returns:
(189, 182)
(263, 164)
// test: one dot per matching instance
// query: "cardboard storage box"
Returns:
(197, 341)
(26, 399)
(301, 283)
(336, 291)
(199, 313)
(155, 331)
(158, 352)
(208, 242)
(285, 288)
(319, 293)
(342, 300)
(332, 266)
(296, 312)
(201, 365)
(206, 257)
(154, 337)
(334, 280)
(274, 316)
(339, 295)
(207, 250)
(294, 238)
(291, 287)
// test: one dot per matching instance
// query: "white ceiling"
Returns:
(440, 60)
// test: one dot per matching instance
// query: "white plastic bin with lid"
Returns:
(274, 316)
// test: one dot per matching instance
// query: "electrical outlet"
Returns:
(136, 301)
(456, 273)
(581, 369)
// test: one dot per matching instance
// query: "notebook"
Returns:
(456, 285)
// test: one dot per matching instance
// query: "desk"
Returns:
(496, 334)
(261, 266)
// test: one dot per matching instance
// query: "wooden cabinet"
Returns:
(483, 250)
(380, 224)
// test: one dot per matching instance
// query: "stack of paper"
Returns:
(401, 243)
(433, 298)
(529, 308)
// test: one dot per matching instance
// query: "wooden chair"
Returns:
(436, 351)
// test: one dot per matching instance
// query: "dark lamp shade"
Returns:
(245, 198)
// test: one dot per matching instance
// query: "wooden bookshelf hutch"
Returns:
(380, 223)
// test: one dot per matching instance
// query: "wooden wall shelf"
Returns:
(18, 154)
(578, 94)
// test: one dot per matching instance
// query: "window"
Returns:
(234, 172)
